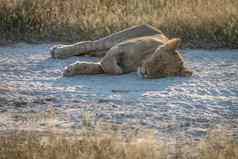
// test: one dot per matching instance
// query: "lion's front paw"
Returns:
(141, 72)
(68, 71)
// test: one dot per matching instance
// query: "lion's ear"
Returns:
(173, 44)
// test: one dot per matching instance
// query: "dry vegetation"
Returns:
(25, 145)
(201, 23)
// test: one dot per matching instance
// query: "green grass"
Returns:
(200, 23)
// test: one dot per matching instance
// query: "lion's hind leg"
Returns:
(86, 68)
(64, 51)
(101, 45)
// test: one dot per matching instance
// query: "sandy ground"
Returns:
(34, 95)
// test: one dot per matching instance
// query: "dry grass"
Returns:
(29, 145)
(200, 23)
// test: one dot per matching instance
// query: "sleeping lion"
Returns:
(141, 49)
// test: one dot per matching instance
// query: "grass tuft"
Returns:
(28, 145)
(200, 23)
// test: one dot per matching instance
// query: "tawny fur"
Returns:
(153, 56)
(101, 46)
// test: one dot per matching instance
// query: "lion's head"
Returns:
(166, 61)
